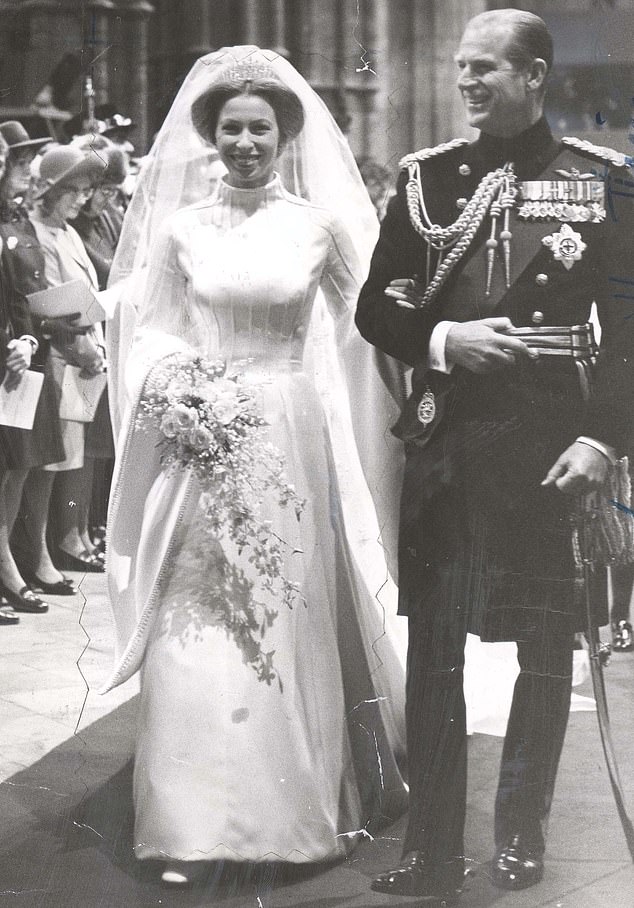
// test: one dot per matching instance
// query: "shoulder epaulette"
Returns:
(426, 153)
(609, 155)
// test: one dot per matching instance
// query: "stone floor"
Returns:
(50, 670)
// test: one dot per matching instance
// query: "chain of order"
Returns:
(460, 234)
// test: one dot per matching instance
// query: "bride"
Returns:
(232, 765)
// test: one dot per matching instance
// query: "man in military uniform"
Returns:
(489, 256)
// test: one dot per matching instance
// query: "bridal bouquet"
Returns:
(209, 423)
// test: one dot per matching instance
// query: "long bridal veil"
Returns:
(318, 166)
(361, 395)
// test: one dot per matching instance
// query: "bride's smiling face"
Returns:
(248, 140)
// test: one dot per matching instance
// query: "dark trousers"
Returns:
(437, 742)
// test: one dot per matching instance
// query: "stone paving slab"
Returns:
(65, 797)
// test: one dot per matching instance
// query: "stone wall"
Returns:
(384, 67)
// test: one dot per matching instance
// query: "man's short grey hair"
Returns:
(531, 38)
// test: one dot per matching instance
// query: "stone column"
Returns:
(251, 21)
(200, 30)
(363, 71)
(318, 51)
(55, 31)
(130, 32)
(424, 107)
(264, 24)
(447, 118)
(315, 30)
(277, 32)
(96, 57)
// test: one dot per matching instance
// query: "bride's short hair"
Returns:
(289, 112)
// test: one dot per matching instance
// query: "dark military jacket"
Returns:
(478, 478)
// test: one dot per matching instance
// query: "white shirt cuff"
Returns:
(607, 450)
(437, 343)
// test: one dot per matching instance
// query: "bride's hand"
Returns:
(408, 292)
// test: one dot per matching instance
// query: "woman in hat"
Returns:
(252, 749)
(67, 177)
(100, 221)
(99, 226)
(24, 452)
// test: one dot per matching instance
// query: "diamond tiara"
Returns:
(249, 71)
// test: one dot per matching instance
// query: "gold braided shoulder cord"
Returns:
(458, 235)
(424, 154)
(440, 238)
(609, 155)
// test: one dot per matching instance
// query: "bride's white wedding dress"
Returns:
(227, 766)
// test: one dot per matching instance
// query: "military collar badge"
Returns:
(567, 246)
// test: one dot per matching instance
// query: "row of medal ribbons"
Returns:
(562, 200)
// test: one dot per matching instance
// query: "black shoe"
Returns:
(83, 562)
(25, 600)
(438, 883)
(63, 587)
(622, 638)
(7, 614)
(516, 865)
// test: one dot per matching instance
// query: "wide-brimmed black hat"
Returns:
(16, 136)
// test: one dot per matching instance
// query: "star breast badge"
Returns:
(567, 246)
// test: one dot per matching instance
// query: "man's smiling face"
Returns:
(494, 91)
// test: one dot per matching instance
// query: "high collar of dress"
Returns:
(251, 196)
(530, 151)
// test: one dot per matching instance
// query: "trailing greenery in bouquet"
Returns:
(209, 423)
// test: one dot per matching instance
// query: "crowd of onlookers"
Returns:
(61, 212)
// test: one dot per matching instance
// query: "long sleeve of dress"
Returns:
(162, 299)
(364, 389)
